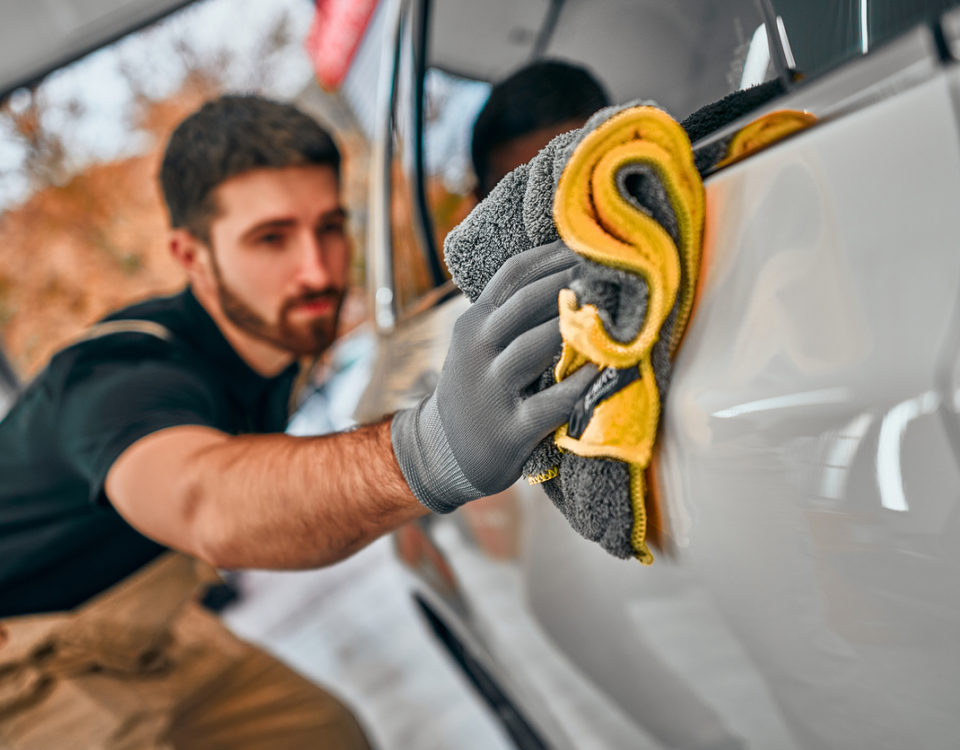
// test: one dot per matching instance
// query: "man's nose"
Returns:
(313, 271)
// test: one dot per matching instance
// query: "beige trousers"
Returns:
(143, 667)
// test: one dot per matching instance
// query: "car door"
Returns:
(808, 457)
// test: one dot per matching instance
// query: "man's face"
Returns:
(281, 255)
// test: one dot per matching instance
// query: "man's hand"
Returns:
(472, 436)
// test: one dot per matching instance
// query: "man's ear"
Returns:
(185, 248)
(192, 254)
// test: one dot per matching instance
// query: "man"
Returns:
(162, 430)
(525, 111)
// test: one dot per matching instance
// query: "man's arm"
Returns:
(286, 502)
(266, 501)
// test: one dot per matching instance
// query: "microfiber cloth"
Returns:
(639, 239)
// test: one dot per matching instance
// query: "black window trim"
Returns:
(421, 26)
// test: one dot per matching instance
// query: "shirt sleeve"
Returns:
(107, 407)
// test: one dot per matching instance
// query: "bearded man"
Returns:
(152, 450)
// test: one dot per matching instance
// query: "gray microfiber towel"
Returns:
(592, 493)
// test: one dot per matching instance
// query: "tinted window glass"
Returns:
(411, 274)
(450, 108)
(824, 33)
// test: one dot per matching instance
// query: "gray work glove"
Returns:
(472, 436)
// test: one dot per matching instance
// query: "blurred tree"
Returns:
(44, 155)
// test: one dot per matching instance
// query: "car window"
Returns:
(464, 50)
(682, 57)
(431, 179)
(822, 34)
(451, 107)
(411, 268)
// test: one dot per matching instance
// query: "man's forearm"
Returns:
(285, 502)
(269, 501)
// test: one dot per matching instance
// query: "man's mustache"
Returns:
(332, 295)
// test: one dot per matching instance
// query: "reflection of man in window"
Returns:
(525, 111)
(161, 430)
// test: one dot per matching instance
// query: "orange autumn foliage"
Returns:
(72, 253)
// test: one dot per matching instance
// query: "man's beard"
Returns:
(307, 341)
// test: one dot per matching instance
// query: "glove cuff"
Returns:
(426, 460)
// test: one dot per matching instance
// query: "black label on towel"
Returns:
(603, 386)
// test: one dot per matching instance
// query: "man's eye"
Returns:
(272, 239)
(332, 228)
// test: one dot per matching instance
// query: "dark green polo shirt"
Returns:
(61, 541)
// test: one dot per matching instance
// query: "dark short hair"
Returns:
(228, 136)
(540, 95)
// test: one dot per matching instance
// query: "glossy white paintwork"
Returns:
(809, 482)
(809, 598)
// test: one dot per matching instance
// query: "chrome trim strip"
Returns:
(380, 274)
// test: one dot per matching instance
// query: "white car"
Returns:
(805, 594)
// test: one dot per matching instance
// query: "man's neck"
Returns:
(263, 357)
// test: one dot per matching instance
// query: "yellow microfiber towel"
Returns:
(598, 220)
